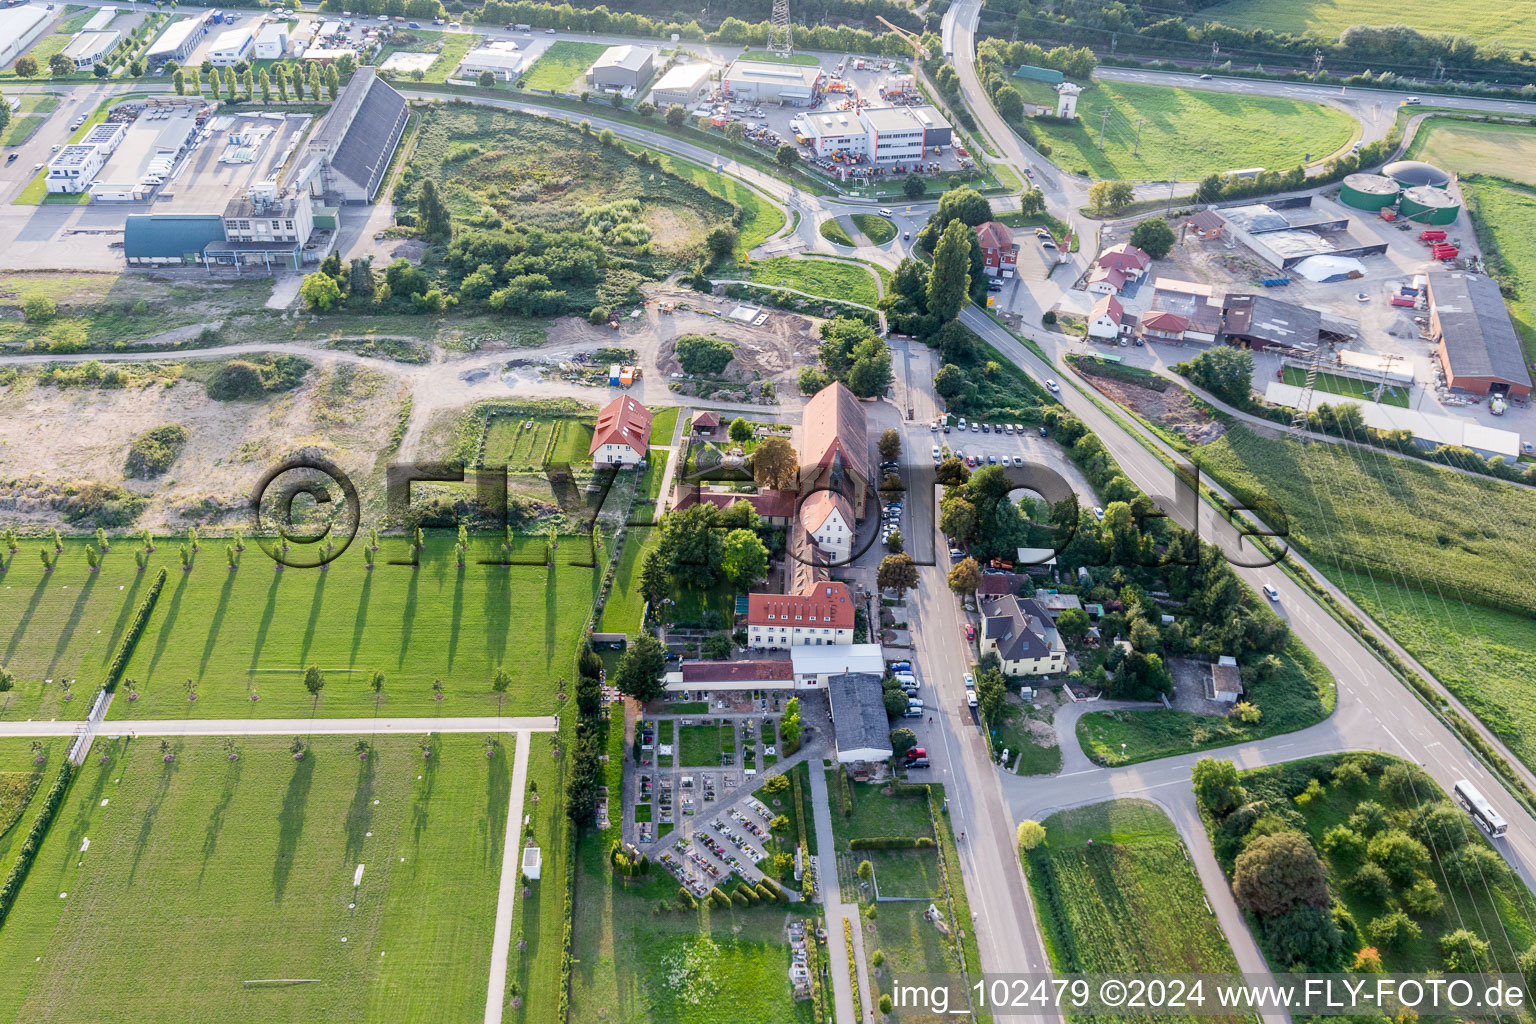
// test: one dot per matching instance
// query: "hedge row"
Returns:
(771, 889)
(795, 790)
(34, 840)
(890, 843)
(131, 634)
(845, 790)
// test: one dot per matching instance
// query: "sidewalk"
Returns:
(837, 911)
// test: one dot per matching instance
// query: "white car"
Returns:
(970, 698)
(1271, 593)
(886, 213)
(938, 456)
(1098, 513)
(1052, 387)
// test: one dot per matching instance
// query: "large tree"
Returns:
(745, 559)
(1225, 372)
(432, 218)
(1216, 785)
(691, 543)
(889, 444)
(775, 464)
(1275, 872)
(965, 577)
(898, 573)
(1153, 236)
(949, 283)
(641, 667)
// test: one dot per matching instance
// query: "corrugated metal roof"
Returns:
(169, 235)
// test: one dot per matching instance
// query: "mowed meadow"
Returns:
(206, 873)
(225, 643)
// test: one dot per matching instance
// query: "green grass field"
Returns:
(558, 67)
(26, 121)
(1298, 695)
(833, 231)
(232, 871)
(826, 278)
(450, 48)
(1419, 544)
(761, 216)
(19, 766)
(622, 612)
(1505, 217)
(875, 227)
(1487, 22)
(1349, 387)
(254, 630)
(1485, 898)
(550, 440)
(1129, 901)
(906, 873)
(1189, 133)
(1466, 147)
(533, 973)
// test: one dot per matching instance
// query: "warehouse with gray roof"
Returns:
(1474, 337)
(348, 153)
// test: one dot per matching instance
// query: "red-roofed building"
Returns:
(706, 422)
(833, 444)
(1126, 258)
(1104, 321)
(622, 434)
(1106, 280)
(828, 518)
(704, 677)
(821, 615)
(999, 251)
(1159, 325)
(775, 507)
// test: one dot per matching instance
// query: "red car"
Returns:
(970, 631)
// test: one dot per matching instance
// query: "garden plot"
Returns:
(236, 867)
(530, 443)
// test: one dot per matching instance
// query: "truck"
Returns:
(1432, 235)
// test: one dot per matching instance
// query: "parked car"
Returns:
(991, 460)
(915, 753)
(970, 631)
(938, 456)
(912, 713)
(1018, 460)
(900, 666)
(986, 428)
(1018, 428)
(917, 762)
(913, 702)
(1043, 432)
(970, 698)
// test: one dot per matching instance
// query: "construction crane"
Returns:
(919, 51)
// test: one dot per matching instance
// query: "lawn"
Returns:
(761, 216)
(828, 279)
(699, 746)
(243, 870)
(1467, 147)
(28, 119)
(449, 46)
(1441, 554)
(23, 780)
(1480, 894)
(255, 630)
(1505, 218)
(533, 973)
(905, 873)
(626, 602)
(1114, 892)
(1299, 694)
(529, 443)
(1189, 133)
(558, 67)
(1031, 756)
(912, 946)
(1349, 387)
(1486, 22)
(875, 227)
(833, 231)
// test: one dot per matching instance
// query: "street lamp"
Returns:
(1122, 751)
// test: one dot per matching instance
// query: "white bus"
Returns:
(1481, 810)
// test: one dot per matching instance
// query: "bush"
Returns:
(40, 309)
(131, 634)
(235, 380)
(1369, 883)
(703, 355)
(1392, 929)
(890, 843)
(1278, 871)
(153, 452)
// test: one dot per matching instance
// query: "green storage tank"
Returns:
(1368, 191)
(1429, 205)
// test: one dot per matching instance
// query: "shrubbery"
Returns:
(241, 379)
(703, 355)
(153, 452)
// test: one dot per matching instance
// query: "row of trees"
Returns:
(853, 353)
(244, 82)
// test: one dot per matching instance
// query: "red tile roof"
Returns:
(622, 421)
(823, 604)
(1168, 323)
(1108, 304)
(1123, 256)
(995, 585)
(737, 671)
(833, 424)
(1114, 275)
(706, 419)
(817, 508)
(993, 235)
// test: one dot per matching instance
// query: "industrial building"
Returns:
(1195, 315)
(1415, 173)
(685, 84)
(177, 42)
(1263, 323)
(272, 43)
(861, 727)
(74, 168)
(265, 226)
(1429, 430)
(1476, 341)
(884, 136)
(622, 67)
(88, 49)
(146, 156)
(349, 151)
(233, 46)
(795, 85)
(501, 58)
(1429, 205)
(103, 17)
(20, 28)
(1285, 232)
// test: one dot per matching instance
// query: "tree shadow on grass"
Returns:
(290, 823)
(87, 800)
(216, 818)
(215, 623)
(316, 600)
(496, 613)
(72, 621)
(360, 621)
(129, 605)
(360, 814)
(167, 625)
(266, 619)
(498, 793)
(152, 812)
(419, 810)
(408, 616)
(26, 617)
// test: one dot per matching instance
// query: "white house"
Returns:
(828, 518)
(819, 616)
(814, 665)
(623, 433)
(1104, 321)
(1020, 632)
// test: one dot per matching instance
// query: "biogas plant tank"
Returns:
(1369, 191)
(1429, 205)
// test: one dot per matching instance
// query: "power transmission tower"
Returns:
(1102, 123)
(778, 29)
(1317, 61)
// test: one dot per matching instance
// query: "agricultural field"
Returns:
(1505, 217)
(1447, 878)
(1488, 23)
(450, 48)
(828, 279)
(248, 864)
(1189, 133)
(1469, 147)
(559, 67)
(550, 440)
(1115, 892)
(875, 227)
(248, 634)
(1349, 387)
(1299, 694)
(1439, 554)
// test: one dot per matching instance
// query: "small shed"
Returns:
(610, 641)
(1226, 680)
(706, 422)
